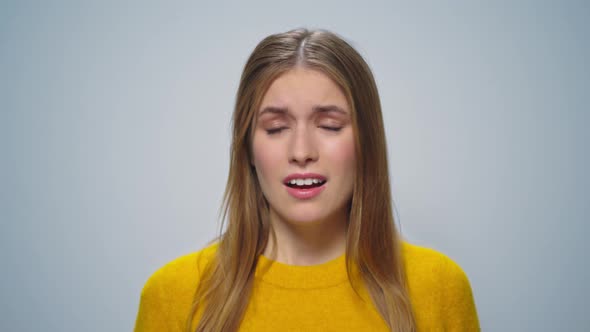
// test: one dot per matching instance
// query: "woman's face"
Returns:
(303, 148)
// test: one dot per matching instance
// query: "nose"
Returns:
(303, 148)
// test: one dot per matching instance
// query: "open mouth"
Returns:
(305, 186)
(305, 183)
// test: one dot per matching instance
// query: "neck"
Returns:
(306, 243)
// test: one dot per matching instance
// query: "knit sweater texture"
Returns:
(314, 298)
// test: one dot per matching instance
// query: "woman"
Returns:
(310, 242)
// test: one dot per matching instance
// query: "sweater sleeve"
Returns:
(151, 316)
(458, 303)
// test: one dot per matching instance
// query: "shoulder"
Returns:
(167, 295)
(181, 272)
(422, 260)
(426, 266)
(439, 288)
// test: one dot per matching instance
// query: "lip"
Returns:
(305, 193)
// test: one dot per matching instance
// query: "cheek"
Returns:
(342, 153)
(265, 158)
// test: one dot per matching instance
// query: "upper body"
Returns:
(314, 298)
(308, 183)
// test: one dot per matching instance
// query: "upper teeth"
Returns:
(304, 182)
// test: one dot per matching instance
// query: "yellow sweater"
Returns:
(314, 298)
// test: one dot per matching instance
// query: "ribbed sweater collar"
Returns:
(328, 274)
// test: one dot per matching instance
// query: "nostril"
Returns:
(302, 161)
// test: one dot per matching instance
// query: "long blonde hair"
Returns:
(373, 244)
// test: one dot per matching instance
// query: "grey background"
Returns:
(115, 138)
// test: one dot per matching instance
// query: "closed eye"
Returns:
(331, 128)
(275, 130)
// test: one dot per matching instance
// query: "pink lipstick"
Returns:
(305, 185)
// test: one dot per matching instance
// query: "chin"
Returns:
(305, 217)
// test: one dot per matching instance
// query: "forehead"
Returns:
(303, 89)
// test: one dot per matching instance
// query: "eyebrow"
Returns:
(315, 109)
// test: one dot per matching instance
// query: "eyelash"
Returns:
(275, 130)
(278, 130)
(331, 128)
